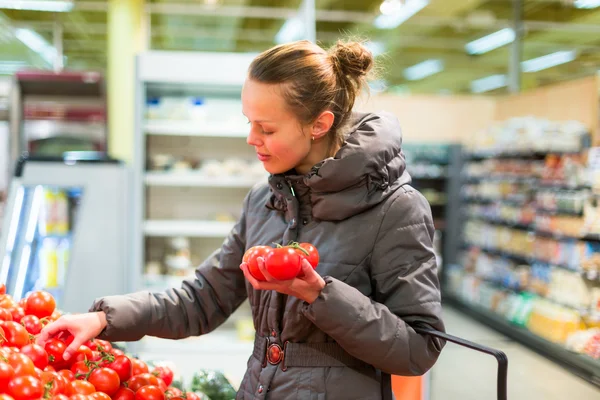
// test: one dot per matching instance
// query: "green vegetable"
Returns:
(214, 384)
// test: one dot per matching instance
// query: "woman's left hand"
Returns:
(306, 288)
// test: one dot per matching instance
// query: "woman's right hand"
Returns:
(83, 327)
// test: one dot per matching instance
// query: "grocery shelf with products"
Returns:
(433, 169)
(63, 222)
(529, 262)
(192, 166)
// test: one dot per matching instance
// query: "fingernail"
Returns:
(66, 356)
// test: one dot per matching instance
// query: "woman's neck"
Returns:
(321, 149)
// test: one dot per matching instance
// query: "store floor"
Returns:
(463, 374)
(460, 374)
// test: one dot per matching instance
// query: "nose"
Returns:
(253, 138)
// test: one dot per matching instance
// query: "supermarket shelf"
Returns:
(525, 155)
(485, 200)
(196, 179)
(532, 228)
(501, 286)
(168, 228)
(582, 365)
(548, 211)
(509, 224)
(428, 177)
(501, 178)
(191, 128)
(590, 275)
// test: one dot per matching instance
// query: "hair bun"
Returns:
(352, 58)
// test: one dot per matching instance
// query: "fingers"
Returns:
(51, 330)
(258, 285)
(263, 268)
(77, 342)
(309, 272)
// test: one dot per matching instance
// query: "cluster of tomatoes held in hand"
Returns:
(281, 262)
(98, 371)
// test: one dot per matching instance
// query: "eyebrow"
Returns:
(258, 120)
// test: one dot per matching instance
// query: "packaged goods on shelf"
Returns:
(197, 110)
(529, 134)
(585, 342)
(553, 322)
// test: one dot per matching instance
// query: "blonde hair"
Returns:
(315, 80)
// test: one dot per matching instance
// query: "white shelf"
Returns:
(192, 128)
(170, 228)
(196, 179)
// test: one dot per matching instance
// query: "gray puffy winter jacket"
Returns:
(374, 235)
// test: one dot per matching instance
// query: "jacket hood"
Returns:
(366, 170)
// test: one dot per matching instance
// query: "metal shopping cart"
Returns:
(499, 355)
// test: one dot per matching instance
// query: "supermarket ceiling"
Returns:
(431, 36)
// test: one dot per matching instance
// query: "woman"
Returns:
(338, 181)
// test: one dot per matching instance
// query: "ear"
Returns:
(322, 124)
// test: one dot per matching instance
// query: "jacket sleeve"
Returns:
(406, 294)
(199, 306)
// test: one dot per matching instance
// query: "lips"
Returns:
(263, 157)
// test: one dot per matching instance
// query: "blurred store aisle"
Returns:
(462, 374)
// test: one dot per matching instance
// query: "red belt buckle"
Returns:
(274, 354)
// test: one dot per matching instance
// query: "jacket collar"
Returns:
(367, 169)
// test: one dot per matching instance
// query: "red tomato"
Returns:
(16, 335)
(5, 315)
(55, 315)
(21, 364)
(312, 257)
(55, 349)
(5, 397)
(124, 394)
(173, 392)
(164, 373)
(81, 369)
(100, 396)
(22, 303)
(37, 354)
(250, 258)
(122, 366)
(49, 368)
(53, 383)
(32, 324)
(283, 263)
(59, 397)
(79, 387)
(2, 288)
(138, 381)
(80, 396)
(67, 374)
(7, 372)
(6, 301)
(105, 380)
(25, 388)
(117, 352)
(149, 393)
(17, 313)
(41, 304)
(191, 396)
(139, 367)
(83, 353)
(103, 345)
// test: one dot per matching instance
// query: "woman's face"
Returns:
(275, 133)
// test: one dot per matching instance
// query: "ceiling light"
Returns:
(398, 13)
(389, 7)
(489, 83)
(423, 70)
(586, 4)
(548, 61)
(491, 42)
(37, 5)
(36, 43)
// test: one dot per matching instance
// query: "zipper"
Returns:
(291, 187)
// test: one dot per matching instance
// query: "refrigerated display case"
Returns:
(54, 112)
(66, 229)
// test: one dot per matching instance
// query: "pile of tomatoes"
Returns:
(98, 370)
(282, 262)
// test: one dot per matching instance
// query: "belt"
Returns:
(328, 354)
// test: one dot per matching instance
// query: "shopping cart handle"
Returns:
(500, 355)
